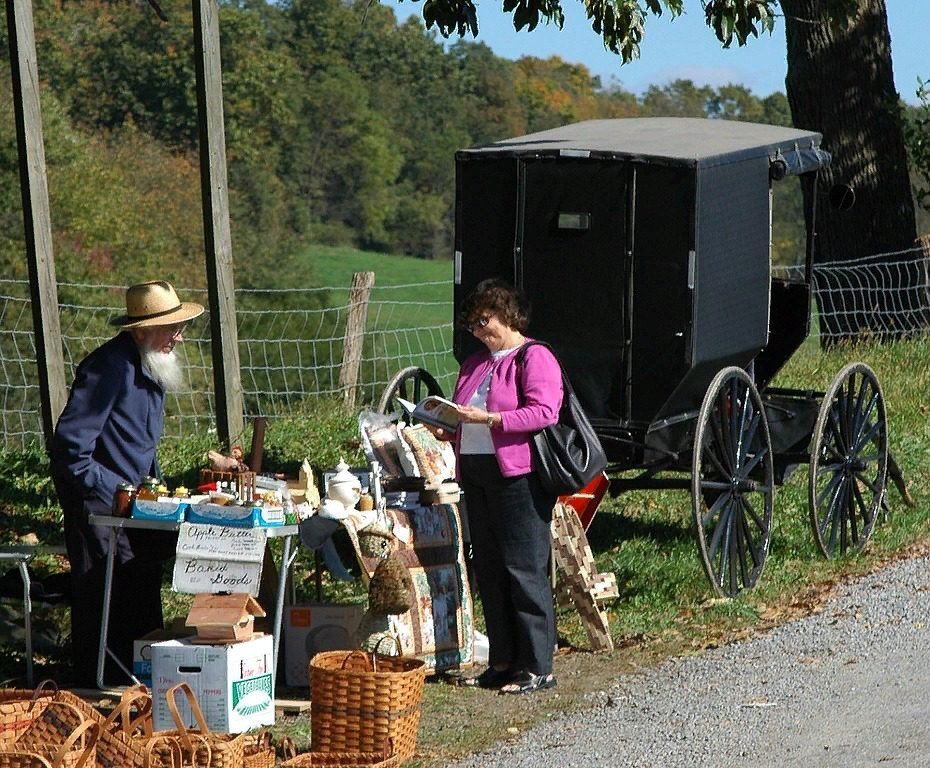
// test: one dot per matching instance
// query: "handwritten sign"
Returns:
(217, 558)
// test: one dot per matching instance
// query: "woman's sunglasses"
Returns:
(481, 322)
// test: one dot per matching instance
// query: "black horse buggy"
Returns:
(644, 246)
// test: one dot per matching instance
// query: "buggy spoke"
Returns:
(835, 480)
(715, 460)
(720, 510)
(751, 511)
(868, 437)
(870, 484)
(753, 463)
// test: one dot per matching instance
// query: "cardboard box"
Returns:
(235, 516)
(142, 651)
(234, 683)
(163, 509)
(309, 629)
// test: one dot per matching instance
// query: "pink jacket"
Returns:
(539, 390)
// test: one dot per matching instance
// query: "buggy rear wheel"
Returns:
(411, 384)
(732, 483)
(849, 461)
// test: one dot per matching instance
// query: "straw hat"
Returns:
(155, 303)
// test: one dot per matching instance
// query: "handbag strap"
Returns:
(521, 354)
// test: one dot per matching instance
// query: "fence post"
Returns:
(359, 293)
(214, 192)
(43, 285)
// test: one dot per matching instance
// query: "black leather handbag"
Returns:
(568, 453)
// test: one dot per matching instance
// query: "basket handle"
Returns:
(183, 732)
(394, 638)
(209, 752)
(121, 714)
(288, 748)
(18, 757)
(46, 687)
(152, 760)
(89, 743)
(263, 739)
(387, 749)
(370, 659)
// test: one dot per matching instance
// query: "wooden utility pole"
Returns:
(218, 243)
(43, 287)
(359, 293)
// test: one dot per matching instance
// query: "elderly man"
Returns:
(106, 435)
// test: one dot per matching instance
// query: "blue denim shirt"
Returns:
(108, 431)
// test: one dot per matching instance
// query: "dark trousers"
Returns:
(509, 520)
(135, 602)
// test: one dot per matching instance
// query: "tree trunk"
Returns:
(840, 83)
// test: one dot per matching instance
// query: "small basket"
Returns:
(20, 706)
(386, 758)
(359, 701)
(201, 746)
(258, 753)
(118, 746)
(61, 735)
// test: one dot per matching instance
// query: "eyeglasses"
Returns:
(175, 330)
(481, 322)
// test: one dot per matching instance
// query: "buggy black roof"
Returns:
(671, 140)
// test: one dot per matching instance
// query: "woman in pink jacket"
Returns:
(503, 399)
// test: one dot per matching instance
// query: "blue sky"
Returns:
(684, 48)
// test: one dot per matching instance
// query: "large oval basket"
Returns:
(358, 700)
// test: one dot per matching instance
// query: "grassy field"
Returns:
(410, 315)
(665, 608)
(334, 266)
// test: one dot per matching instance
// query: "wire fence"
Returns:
(291, 340)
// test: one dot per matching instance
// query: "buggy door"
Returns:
(570, 260)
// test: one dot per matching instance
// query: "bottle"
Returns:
(122, 499)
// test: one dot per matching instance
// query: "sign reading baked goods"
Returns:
(217, 558)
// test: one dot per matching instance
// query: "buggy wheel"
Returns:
(732, 483)
(412, 384)
(849, 461)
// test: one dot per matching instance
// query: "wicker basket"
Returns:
(61, 735)
(200, 746)
(386, 758)
(358, 701)
(258, 751)
(119, 745)
(20, 706)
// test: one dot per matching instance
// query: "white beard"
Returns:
(164, 368)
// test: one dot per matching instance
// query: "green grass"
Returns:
(665, 606)
(334, 266)
(410, 315)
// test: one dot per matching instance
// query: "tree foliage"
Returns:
(341, 124)
(917, 133)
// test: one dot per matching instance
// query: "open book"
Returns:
(433, 410)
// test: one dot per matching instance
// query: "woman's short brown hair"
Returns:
(496, 297)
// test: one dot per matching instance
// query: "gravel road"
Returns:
(848, 687)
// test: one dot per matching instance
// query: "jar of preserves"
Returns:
(122, 499)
